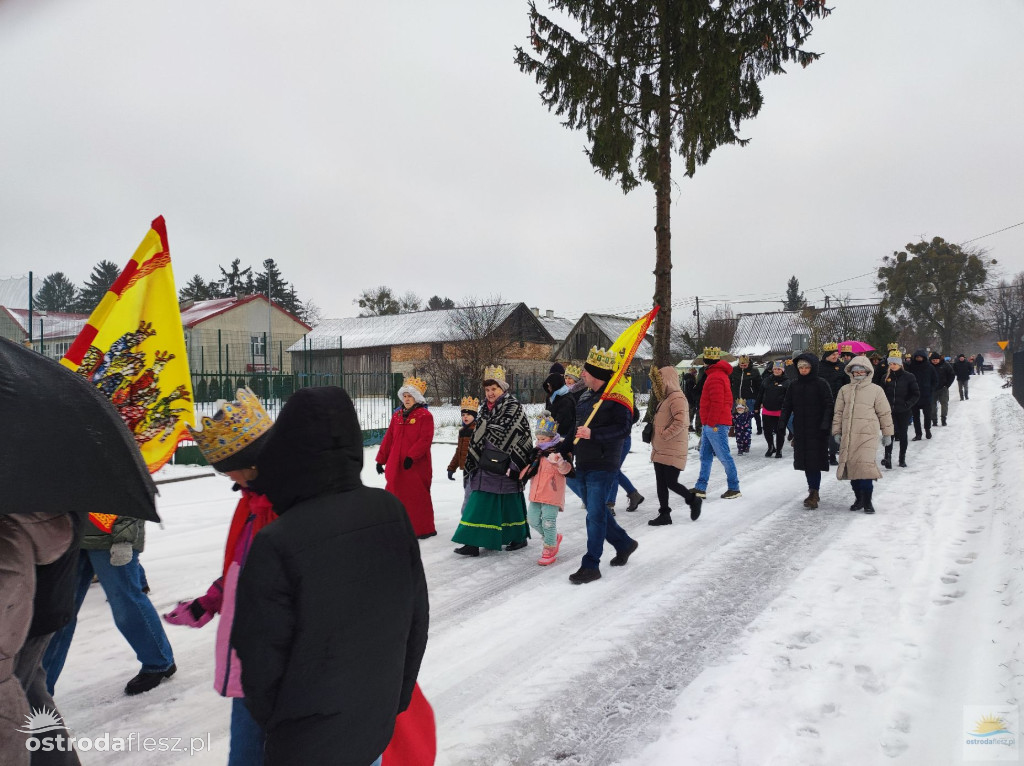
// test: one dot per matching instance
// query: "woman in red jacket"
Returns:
(404, 456)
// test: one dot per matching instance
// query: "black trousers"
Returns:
(771, 424)
(901, 424)
(961, 386)
(923, 415)
(667, 478)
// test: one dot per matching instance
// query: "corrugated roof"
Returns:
(14, 292)
(55, 324)
(767, 333)
(201, 311)
(557, 327)
(392, 330)
(613, 326)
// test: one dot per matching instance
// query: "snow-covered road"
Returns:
(763, 633)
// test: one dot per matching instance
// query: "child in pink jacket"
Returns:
(547, 487)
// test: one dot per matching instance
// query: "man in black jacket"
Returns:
(832, 369)
(331, 614)
(962, 369)
(746, 385)
(940, 397)
(598, 456)
(928, 383)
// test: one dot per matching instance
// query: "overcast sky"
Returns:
(396, 143)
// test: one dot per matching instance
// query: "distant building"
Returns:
(52, 333)
(239, 335)
(780, 333)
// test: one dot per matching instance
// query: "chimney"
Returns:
(550, 314)
(536, 311)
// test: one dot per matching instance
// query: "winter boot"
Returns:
(887, 460)
(147, 680)
(778, 453)
(943, 421)
(635, 498)
(812, 499)
(548, 556)
(858, 504)
(695, 503)
(731, 494)
(663, 518)
(903, 458)
(558, 544)
(468, 550)
(517, 545)
(620, 558)
(770, 452)
(927, 433)
(868, 507)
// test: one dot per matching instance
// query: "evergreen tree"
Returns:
(104, 274)
(269, 282)
(646, 77)
(794, 298)
(437, 303)
(935, 286)
(198, 289)
(57, 293)
(235, 280)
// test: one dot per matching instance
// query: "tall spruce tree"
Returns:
(56, 293)
(648, 77)
(198, 289)
(235, 280)
(794, 298)
(103, 275)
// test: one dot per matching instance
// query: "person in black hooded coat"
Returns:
(928, 384)
(559, 402)
(809, 400)
(331, 614)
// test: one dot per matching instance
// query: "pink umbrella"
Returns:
(856, 346)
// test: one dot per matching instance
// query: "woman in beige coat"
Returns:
(669, 443)
(861, 411)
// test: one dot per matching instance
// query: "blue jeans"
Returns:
(601, 525)
(862, 485)
(246, 736)
(813, 479)
(133, 613)
(714, 442)
(574, 486)
(623, 481)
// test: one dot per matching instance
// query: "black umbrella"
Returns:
(64, 446)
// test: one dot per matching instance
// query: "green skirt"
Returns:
(492, 521)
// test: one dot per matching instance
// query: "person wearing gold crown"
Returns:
(902, 391)
(598, 453)
(833, 369)
(404, 456)
(230, 442)
(716, 420)
(495, 510)
(469, 409)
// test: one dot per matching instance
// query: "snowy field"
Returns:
(764, 633)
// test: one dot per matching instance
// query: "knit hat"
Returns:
(233, 437)
(554, 381)
(874, 355)
(895, 360)
(495, 374)
(415, 387)
(556, 369)
(935, 355)
(600, 364)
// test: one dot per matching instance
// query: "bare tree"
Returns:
(1003, 312)
(720, 327)
(475, 338)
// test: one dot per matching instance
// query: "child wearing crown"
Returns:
(741, 418)
(546, 474)
(404, 456)
(470, 406)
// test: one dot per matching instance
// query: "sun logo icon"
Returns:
(42, 720)
(989, 726)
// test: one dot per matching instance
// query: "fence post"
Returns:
(220, 360)
(341, 364)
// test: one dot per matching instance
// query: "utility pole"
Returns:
(697, 312)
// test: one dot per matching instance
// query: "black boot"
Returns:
(858, 504)
(695, 503)
(468, 550)
(515, 546)
(903, 458)
(887, 460)
(868, 507)
(663, 518)
(147, 680)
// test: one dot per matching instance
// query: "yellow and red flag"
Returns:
(620, 387)
(133, 351)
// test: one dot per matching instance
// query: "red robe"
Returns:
(409, 436)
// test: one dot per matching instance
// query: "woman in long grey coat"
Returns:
(862, 411)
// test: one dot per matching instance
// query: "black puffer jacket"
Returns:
(773, 392)
(901, 390)
(331, 614)
(834, 373)
(809, 400)
(962, 368)
(943, 369)
(924, 371)
(746, 384)
(608, 430)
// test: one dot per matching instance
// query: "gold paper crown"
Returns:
(846, 348)
(546, 424)
(744, 358)
(894, 349)
(828, 348)
(469, 403)
(494, 372)
(712, 352)
(603, 360)
(418, 383)
(237, 425)
(573, 371)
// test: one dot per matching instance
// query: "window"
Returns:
(259, 348)
(436, 350)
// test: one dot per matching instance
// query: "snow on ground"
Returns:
(761, 634)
